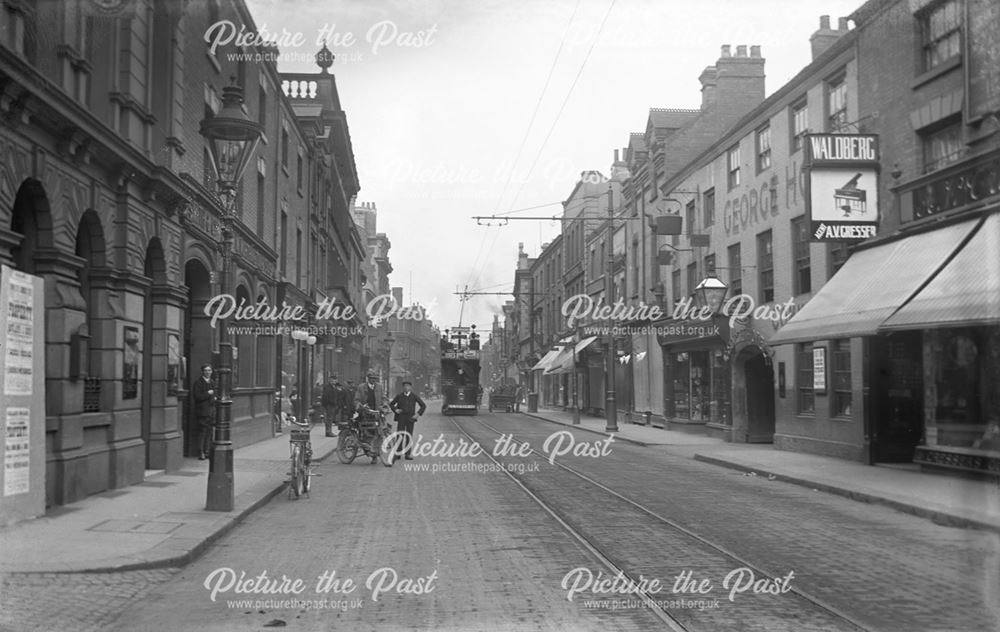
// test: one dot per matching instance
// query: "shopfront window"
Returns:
(804, 386)
(841, 357)
(699, 389)
(965, 364)
(682, 386)
(720, 389)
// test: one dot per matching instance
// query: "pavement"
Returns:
(159, 523)
(162, 522)
(943, 498)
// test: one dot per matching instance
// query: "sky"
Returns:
(462, 108)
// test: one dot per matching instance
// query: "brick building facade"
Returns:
(882, 350)
(745, 192)
(927, 322)
(106, 192)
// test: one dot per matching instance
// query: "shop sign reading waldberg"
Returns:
(842, 186)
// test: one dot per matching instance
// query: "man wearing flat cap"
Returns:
(369, 393)
(405, 406)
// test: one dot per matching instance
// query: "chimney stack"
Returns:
(738, 79)
(708, 87)
(824, 38)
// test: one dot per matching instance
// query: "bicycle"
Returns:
(300, 448)
(366, 433)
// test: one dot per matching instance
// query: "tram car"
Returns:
(460, 378)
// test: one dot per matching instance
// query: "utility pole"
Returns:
(610, 407)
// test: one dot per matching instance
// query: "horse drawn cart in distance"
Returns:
(503, 398)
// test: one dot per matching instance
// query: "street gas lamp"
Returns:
(232, 138)
(389, 340)
(711, 292)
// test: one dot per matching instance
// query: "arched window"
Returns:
(90, 248)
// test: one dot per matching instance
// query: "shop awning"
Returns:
(563, 363)
(965, 292)
(872, 285)
(547, 359)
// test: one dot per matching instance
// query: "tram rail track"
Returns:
(823, 613)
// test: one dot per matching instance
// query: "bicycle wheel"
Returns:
(306, 477)
(295, 484)
(347, 446)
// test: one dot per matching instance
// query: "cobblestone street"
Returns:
(450, 543)
(87, 602)
(689, 314)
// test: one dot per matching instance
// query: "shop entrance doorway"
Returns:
(897, 394)
(758, 374)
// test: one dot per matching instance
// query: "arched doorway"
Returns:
(197, 342)
(758, 377)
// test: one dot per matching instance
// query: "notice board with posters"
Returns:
(22, 396)
(842, 186)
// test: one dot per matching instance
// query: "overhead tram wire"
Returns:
(562, 107)
(569, 93)
(510, 174)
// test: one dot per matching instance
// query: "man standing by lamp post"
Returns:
(232, 138)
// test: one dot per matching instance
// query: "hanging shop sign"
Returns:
(842, 186)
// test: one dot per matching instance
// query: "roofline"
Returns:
(844, 43)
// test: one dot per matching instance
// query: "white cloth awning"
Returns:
(966, 292)
(547, 359)
(872, 285)
(564, 362)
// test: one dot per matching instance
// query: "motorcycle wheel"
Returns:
(347, 447)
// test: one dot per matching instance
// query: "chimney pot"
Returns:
(824, 22)
(842, 24)
(755, 51)
(741, 50)
(725, 50)
(616, 155)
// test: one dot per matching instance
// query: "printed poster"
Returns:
(17, 452)
(18, 337)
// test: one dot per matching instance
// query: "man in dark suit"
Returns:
(331, 403)
(405, 406)
(347, 401)
(203, 393)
